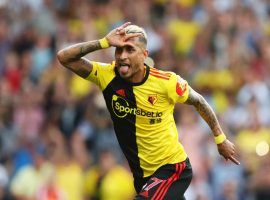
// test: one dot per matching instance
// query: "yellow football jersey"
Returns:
(142, 114)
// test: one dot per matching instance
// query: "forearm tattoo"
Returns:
(205, 111)
(77, 51)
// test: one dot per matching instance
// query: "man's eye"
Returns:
(118, 50)
(130, 49)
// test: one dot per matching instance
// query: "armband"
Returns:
(104, 43)
(220, 138)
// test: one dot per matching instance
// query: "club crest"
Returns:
(152, 99)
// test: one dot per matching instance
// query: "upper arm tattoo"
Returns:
(204, 110)
(82, 67)
(193, 97)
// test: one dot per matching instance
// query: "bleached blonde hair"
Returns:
(137, 29)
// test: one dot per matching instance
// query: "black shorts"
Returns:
(169, 182)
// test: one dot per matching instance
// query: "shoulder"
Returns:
(101, 69)
(102, 73)
(103, 66)
(161, 74)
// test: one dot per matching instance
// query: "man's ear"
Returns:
(146, 53)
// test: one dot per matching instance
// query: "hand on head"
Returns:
(118, 37)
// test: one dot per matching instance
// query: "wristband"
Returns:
(104, 43)
(220, 138)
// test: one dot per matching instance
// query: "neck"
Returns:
(138, 76)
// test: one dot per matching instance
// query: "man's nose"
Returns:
(123, 55)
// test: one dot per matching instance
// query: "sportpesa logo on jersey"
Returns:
(121, 108)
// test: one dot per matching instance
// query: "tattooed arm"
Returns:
(226, 148)
(72, 56)
(204, 110)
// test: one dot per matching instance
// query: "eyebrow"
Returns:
(129, 45)
(133, 46)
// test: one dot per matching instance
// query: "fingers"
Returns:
(125, 25)
(120, 29)
(131, 35)
(227, 150)
(233, 159)
(120, 32)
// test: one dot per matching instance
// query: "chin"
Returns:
(125, 76)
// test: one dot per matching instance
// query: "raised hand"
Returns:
(118, 37)
(227, 150)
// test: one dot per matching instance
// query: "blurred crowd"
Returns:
(56, 137)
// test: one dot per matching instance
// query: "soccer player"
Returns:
(141, 100)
